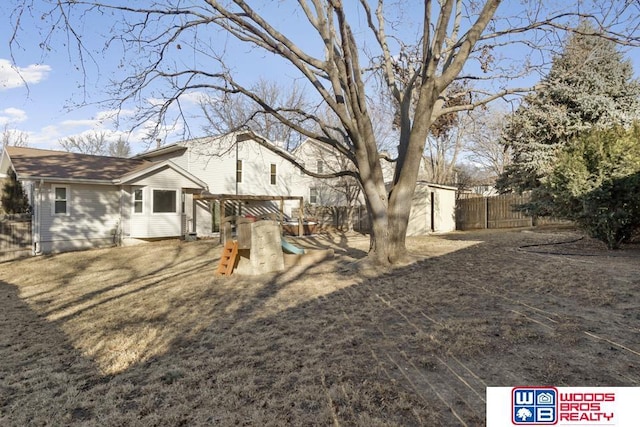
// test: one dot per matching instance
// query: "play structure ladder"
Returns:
(228, 258)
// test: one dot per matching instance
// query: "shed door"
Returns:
(432, 210)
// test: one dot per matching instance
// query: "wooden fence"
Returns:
(492, 212)
(15, 238)
(337, 217)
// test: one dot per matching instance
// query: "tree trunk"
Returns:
(401, 197)
(390, 217)
(377, 206)
(349, 213)
(399, 210)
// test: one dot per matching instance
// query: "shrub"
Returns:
(14, 199)
(596, 183)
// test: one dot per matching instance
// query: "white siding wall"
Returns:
(420, 215)
(203, 218)
(213, 160)
(256, 180)
(328, 190)
(92, 219)
(444, 210)
(156, 225)
(126, 211)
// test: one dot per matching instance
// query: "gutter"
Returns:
(41, 179)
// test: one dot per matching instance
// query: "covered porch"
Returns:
(238, 201)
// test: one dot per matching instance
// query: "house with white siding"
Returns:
(318, 158)
(235, 164)
(82, 201)
(433, 205)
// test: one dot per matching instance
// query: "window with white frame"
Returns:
(61, 200)
(238, 171)
(273, 175)
(320, 166)
(165, 201)
(138, 201)
(313, 195)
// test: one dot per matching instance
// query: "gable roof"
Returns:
(37, 164)
(165, 149)
(182, 145)
(34, 163)
(156, 166)
(230, 138)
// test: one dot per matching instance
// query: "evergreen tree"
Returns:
(596, 183)
(14, 199)
(589, 85)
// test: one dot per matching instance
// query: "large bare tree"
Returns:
(229, 112)
(14, 137)
(483, 144)
(417, 49)
(97, 144)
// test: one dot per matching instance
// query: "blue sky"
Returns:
(41, 99)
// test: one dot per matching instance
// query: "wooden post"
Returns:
(282, 211)
(194, 215)
(223, 213)
(486, 212)
(301, 218)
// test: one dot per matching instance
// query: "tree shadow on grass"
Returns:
(41, 371)
(340, 242)
(413, 346)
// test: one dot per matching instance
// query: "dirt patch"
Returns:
(150, 336)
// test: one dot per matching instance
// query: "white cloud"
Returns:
(45, 137)
(140, 138)
(102, 120)
(114, 115)
(12, 77)
(194, 97)
(12, 115)
(79, 123)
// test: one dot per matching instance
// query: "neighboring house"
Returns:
(485, 190)
(317, 157)
(82, 201)
(433, 209)
(239, 163)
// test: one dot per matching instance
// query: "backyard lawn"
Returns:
(148, 335)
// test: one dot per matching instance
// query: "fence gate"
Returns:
(15, 238)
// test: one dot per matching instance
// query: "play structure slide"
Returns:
(291, 249)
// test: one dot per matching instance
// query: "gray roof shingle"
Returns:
(37, 163)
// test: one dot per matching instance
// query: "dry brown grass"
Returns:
(148, 335)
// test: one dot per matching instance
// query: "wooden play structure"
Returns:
(259, 248)
(228, 258)
(254, 244)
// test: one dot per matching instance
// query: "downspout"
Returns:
(237, 206)
(37, 218)
(236, 174)
(119, 227)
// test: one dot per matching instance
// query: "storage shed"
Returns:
(433, 209)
